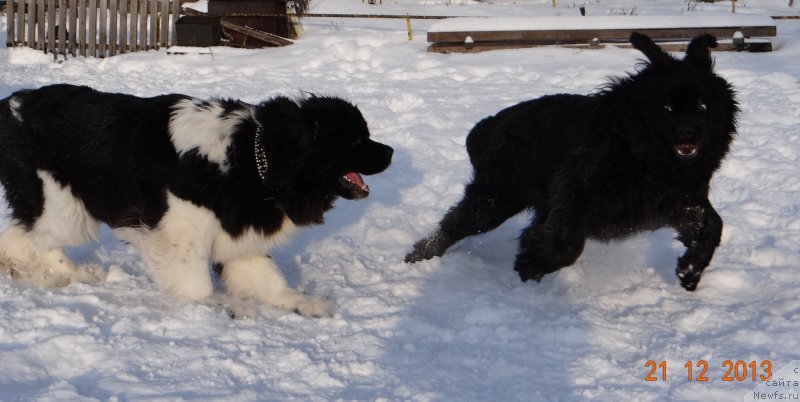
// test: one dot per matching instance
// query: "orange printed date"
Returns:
(738, 370)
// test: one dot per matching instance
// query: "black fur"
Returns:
(637, 155)
(115, 152)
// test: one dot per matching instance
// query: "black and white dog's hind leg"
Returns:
(35, 252)
(179, 249)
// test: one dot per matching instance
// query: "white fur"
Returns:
(251, 242)
(37, 254)
(178, 251)
(205, 127)
(14, 104)
(65, 220)
(260, 279)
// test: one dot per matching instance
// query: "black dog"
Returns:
(186, 181)
(637, 155)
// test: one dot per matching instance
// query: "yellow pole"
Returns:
(408, 27)
(554, 3)
(733, 6)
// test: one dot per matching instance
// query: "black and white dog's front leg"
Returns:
(699, 229)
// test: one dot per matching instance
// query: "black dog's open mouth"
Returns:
(686, 150)
(354, 186)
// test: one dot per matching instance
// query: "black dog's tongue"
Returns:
(360, 189)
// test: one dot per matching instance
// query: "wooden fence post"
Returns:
(123, 26)
(31, 9)
(73, 26)
(153, 14)
(10, 23)
(20, 21)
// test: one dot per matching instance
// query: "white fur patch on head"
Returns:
(14, 104)
(207, 127)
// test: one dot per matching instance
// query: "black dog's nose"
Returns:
(388, 151)
(685, 133)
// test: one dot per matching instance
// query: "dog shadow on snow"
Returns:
(474, 331)
(385, 190)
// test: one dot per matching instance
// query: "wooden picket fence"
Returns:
(95, 28)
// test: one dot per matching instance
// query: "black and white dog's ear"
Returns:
(698, 51)
(644, 44)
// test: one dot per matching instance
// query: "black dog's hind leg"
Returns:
(699, 229)
(482, 209)
(555, 237)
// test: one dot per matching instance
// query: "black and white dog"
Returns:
(186, 181)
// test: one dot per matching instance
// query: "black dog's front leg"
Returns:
(699, 229)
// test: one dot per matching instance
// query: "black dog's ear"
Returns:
(698, 51)
(644, 44)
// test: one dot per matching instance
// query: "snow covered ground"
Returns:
(457, 328)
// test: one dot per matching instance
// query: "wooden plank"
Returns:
(112, 27)
(123, 26)
(142, 25)
(134, 25)
(163, 23)
(82, 27)
(10, 22)
(760, 45)
(176, 14)
(20, 38)
(31, 28)
(91, 39)
(73, 26)
(256, 34)
(40, 25)
(51, 26)
(61, 35)
(585, 35)
(102, 17)
(153, 14)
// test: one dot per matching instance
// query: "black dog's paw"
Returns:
(415, 256)
(426, 249)
(689, 277)
(530, 268)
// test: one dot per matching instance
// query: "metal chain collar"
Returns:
(260, 153)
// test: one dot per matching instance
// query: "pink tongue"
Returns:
(356, 179)
(686, 149)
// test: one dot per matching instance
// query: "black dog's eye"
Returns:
(701, 106)
(668, 108)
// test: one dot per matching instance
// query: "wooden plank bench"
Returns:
(470, 34)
